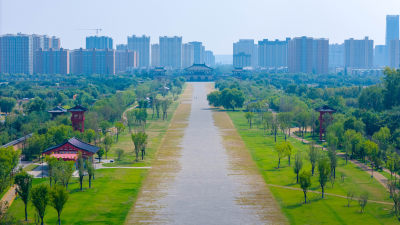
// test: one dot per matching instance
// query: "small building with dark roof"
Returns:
(56, 111)
(78, 117)
(159, 72)
(199, 72)
(70, 149)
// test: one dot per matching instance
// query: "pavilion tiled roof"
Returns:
(198, 67)
(78, 144)
(78, 108)
(325, 108)
(57, 109)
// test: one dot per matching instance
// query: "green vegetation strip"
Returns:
(332, 209)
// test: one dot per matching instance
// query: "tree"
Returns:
(382, 138)
(139, 141)
(324, 170)
(313, 155)
(7, 104)
(120, 128)
(392, 88)
(58, 198)
(24, 185)
(107, 141)
(372, 151)
(298, 164)
(285, 120)
(333, 160)
(249, 116)
(305, 183)
(350, 196)
(100, 154)
(40, 199)
(90, 170)
(90, 135)
(68, 168)
(362, 201)
(120, 153)
(289, 150)
(164, 106)
(280, 149)
(81, 168)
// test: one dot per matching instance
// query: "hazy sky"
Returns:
(217, 23)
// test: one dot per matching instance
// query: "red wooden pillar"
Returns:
(78, 118)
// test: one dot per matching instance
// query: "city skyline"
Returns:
(224, 24)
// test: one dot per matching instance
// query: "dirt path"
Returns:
(9, 196)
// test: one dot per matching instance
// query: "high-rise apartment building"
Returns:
(99, 42)
(16, 54)
(394, 54)
(93, 61)
(359, 54)
(336, 56)
(122, 47)
(198, 49)
(308, 55)
(209, 58)
(392, 28)
(51, 61)
(125, 60)
(380, 56)
(243, 49)
(273, 53)
(187, 55)
(141, 45)
(155, 55)
(171, 52)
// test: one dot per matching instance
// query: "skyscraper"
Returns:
(380, 56)
(336, 56)
(209, 58)
(155, 55)
(359, 54)
(198, 49)
(188, 54)
(16, 54)
(99, 42)
(392, 28)
(308, 55)
(272, 53)
(93, 61)
(171, 52)
(141, 45)
(125, 60)
(245, 48)
(394, 54)
(51, 61)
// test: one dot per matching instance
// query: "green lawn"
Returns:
(31, 167)
(107, 202)
(114, 190)
(332, 210)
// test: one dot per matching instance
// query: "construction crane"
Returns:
(94, 29)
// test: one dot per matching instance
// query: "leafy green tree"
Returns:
(8, 161)
(68, 168)
(120, 153)
(139, 140)
(249, 116)
(372, 151)
(107, 141)
(120, 128)
(313, 155)
(40, 199)
(285, 120)
(214, 98)
(392, 88)
(382, 137)
(36, 105)
(24, 185)
(305, 183)
(164, 106)
(81, 169)
(324, 170)
(58, 197)
(100, 154)
(232, 98)
(362, 201)
(333, 161)
(90, 171)
(90, 135)
(7, 104)
(298, 165)
(372, 98)
(288, 150)
(350, 196)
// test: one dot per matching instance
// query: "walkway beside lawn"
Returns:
(9, 196)
(378, 176)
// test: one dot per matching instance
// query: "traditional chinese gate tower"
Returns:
(78, 117)
(322, 111)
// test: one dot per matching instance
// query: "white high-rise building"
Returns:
(187, 55)
(171, 52)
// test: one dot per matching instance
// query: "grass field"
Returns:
(107, 202)
(331, 210)
(114, 191)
